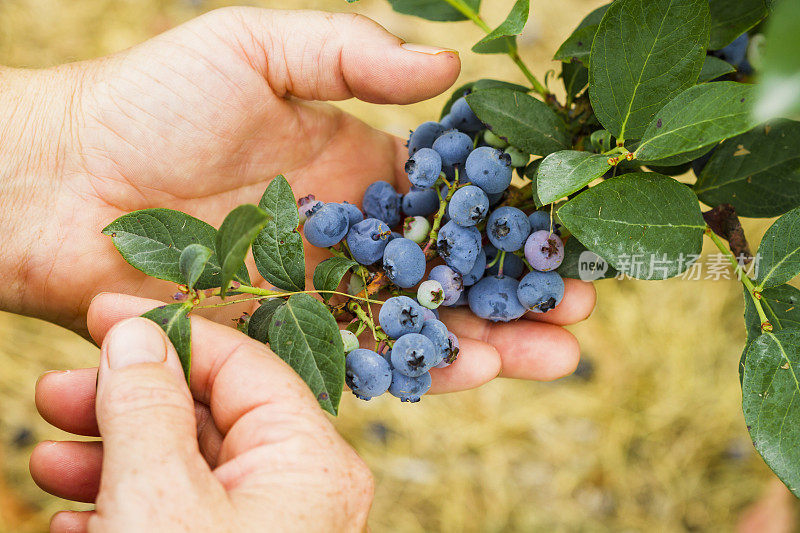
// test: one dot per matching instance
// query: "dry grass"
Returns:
(651, 440)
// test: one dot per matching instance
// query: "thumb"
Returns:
(334, 56)
(145, 411)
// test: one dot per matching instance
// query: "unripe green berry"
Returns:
(349, 339)
(430, 294)
(493, 140)
(416, 228)
(518, 157)
(755, 51)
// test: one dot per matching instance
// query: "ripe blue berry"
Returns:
(409, 389)
(367, 240)
(424, 167)
(544, 250)
(400, 315)
(327, 226)
(540, 220)
(735, 52)
(429, 314)
(423, 136)
(349, 340)
(367, 373)
(451, 282)
(463, 117)
(454, 147)
(354, 214)
(540, 291)
(307, 205)
(417, 229)
(459, 246)
(430, 294)
(489, 169)
(448, 122)
(478, 269)
(507, 228)
(413, 355)
(381, 201)
(437, 333)
(512, 265)
(495, 298)
(420, 202)
(468, 206)
(404, 262)
(453, 350)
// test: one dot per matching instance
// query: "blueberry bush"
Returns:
(705, 90)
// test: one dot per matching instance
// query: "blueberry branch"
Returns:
(437, 219)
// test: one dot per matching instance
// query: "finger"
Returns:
(577, 304)
(70, 522)
(477, 363)
(528, 350)
(145, 412)
(66, 400)
(69, 469)
(334, 56)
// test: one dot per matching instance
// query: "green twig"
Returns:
(437, 219)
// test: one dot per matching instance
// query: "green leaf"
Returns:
(501, 39)
(193, 261)
(731, 18)
(713, 68)
(580, 263)
(305, 335)
(770, 389)
(437, 10)
(779, 90)
(152, 241)
(595, 16)
(575, 77)
(531, 172)
(779, 251)
(578, 46)
(695, 120)
(174, 320)
(278, 249)
(645, 225)
(258, 326)
(643, 55)
(782, 307)
(479, 85)
(329, 274)
(757, 172)
(527, 123)
(562, 173)
(234, 238)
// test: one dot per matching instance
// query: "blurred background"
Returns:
(648, 434)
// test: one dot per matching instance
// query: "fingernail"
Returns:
(425, 49)
(50, 372)
(135, 341)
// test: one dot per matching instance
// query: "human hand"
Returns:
(246, 448)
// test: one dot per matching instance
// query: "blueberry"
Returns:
(489, 169)
(381, 201)
(462, 300)
(540, 291)
(367, 373)
(493, 140)
(349, 340)
(430, 294)
(477, 271)
(404, 262)
(424, 167)
(307, 205)
(459, 246)
(420, 202)
(367, 240)
(513, 266)
(541, 220)
(437, 333)
(326, 226)
(494, 198)
(454, 147)
(453, 349)
(735, 52)
(417, 229)
(495, 298)
(451, 282)
(423, 136)
(519, 158)
(400, 315)
(507, 228)
(463, 117)
(544, 250)
(354, 214)
(448, 122)
(468, 206)
(409, 389)
(413, 355)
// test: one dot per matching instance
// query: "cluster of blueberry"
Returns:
(460, 173)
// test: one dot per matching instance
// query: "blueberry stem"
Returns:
(437, 220)
(502, 256)
(521, 255)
